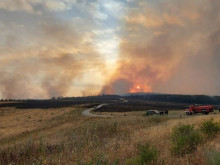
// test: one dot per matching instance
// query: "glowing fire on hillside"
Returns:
(140, 88)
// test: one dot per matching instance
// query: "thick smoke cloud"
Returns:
(44, 60)
(170, 46)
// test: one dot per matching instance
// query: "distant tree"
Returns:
(53, 98)
(60, 98)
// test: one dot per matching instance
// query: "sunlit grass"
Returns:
(71, 138)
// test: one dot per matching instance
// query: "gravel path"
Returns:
(88, 113)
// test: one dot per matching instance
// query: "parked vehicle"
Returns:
(205, 109)
(152, 112)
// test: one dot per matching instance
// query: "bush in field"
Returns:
(210, 128)
(212, 157)
(99, 160)
(146, 155)
(185, 140)
(157, 119)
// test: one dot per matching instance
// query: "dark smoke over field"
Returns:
(47, 62)
(169, 46)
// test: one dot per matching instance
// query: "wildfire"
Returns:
(140, 88)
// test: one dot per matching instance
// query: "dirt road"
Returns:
(88, 113)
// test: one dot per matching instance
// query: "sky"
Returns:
(88, 47)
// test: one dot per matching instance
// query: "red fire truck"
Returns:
(205, 109)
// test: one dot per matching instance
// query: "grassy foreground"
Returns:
(64, 136)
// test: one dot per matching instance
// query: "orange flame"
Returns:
(138, 88)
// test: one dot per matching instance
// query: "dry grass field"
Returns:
(64, 136)
(14, 122)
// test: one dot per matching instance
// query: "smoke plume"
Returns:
(45, 60)
(169, 46)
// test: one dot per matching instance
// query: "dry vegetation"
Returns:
(14, 122)
(64, 136)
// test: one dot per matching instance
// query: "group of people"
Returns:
(165, 112)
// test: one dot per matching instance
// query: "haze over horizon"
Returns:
(85, 47)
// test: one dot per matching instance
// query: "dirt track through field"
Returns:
(88, 113)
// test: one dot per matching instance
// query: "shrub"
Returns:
(212, 157)
(157, 119)
(185, 140)
(99, 160)
(146, 155)
(210, 128)
(133, 161)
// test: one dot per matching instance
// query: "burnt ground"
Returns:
(137, 105)
(60, 103)
(116, 104)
